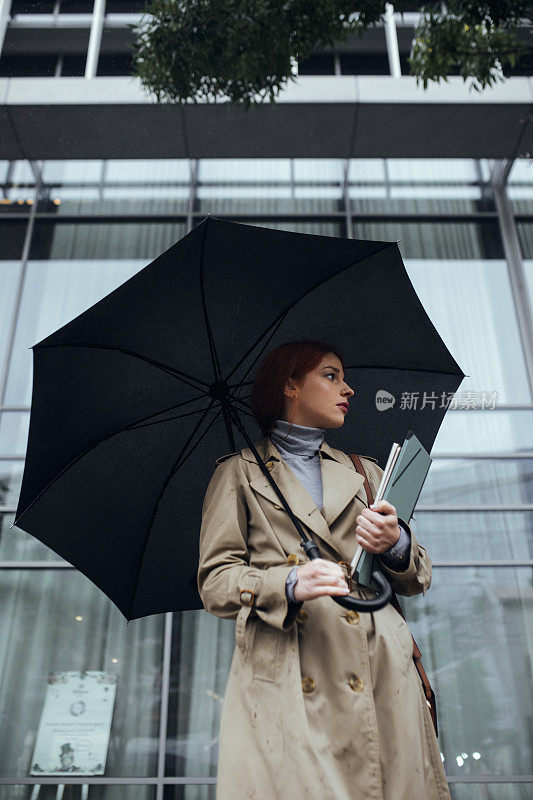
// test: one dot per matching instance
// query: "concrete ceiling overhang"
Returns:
(315, 117)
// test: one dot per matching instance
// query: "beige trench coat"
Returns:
(321, 703)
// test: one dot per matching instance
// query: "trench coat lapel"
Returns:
(340, 484)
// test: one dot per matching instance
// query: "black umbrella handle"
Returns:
(357, 603)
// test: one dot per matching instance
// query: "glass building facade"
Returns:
(71, 232)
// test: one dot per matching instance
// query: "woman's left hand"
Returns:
(377, 527)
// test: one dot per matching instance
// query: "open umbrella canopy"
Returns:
(130, 399)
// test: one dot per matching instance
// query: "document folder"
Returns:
(403, 477)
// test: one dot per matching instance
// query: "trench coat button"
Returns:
(293, 559)
(308, 685)
(246, 597)
(356, 684)
(278, 508)
(352, 617)
(302, 615)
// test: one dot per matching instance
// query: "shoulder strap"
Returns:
(417, 656)
(359, 467)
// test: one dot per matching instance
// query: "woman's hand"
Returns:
(375, 531)
(319, 577)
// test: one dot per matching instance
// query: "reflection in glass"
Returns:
(270, 186)
(323, 228)
(17, 545)
(471, 306)
(14, 427)
(485, 431)
(439, 239)
(464, 482)
(54, 293)
(244, 170)
(190, 792)
(48, 637)
(78, 792)
(528, 270)
(473, 628)
(475, 535)
(491, 791)
(116, 187)
(278, 200)
(202, 648)
(9, 278)
(10, 481)
(519, 190)
(88, 240)
(419, 186)
(12, 234)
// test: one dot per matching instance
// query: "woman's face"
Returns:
(319, 394)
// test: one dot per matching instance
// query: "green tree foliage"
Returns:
(244, 51)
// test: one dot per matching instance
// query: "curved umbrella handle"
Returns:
(356, 603)
(384, 596)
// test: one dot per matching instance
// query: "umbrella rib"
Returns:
(212, 349)
(134, 426)
(311, 289)
(176, 373)
(169, 477)
(131, 426)
(274, 327)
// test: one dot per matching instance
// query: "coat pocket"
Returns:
(265, 643)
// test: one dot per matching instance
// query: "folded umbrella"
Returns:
(134, 398)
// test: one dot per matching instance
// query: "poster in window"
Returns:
(73, 733)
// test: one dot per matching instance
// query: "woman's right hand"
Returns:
(319, 577)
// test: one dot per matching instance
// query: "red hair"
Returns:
(290, 360)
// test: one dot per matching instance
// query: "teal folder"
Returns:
(403, 491)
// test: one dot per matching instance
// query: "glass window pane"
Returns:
(9, 279)
(14, 427)
(54, 293)
(477, 482)
(17, 545)
(323, 228)
(489, 431)
(419, 185)
(244, 170)
(301, 199)
(12, 233)
(270, 186)
(491, 791)
(471, 305)
(54, 240)
(61, 622)
(70, 791)
(10, 482)
(520, 188)
(525, 236)
(202, 649)
(475, 535)
(439, 239)
(474, 629)
(190, 792)
(116, 187)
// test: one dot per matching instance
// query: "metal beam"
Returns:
(113, 117)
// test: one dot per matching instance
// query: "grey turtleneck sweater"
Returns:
(299, 450)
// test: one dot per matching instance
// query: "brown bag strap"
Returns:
(417, 656)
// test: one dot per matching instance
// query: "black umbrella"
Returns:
(135, 398)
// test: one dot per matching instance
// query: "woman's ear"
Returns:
(290, 388)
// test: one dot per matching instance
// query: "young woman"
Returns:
(321, 702)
